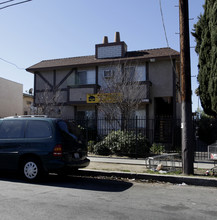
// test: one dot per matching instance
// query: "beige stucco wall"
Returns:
(160, 74)
(11, 98)
(161, 77)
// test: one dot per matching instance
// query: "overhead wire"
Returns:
(6, 61)
(17, 3)
(1, 3)
(164, 27)
(13, 4)
(167, 41)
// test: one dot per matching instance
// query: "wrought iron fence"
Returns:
(166, 131)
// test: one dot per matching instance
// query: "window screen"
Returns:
(12, 129)
(38, 129)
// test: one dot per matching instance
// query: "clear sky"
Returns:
(48, 29)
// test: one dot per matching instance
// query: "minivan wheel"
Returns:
(31, 169)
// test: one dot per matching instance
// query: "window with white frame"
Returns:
(108, 74)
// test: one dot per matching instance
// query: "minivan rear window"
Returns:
(38, 129)
(64, 127)
(12, 129)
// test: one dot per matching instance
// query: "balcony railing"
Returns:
(78, 94)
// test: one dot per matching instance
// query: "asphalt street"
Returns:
(98, 198)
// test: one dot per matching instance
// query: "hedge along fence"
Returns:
(122, 143)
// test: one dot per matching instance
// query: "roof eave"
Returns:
(102, 62)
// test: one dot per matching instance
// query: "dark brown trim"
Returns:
(147, 121)
(45, 80)
(50, 90)
(68, 94)
(111, 44)
(79, 103)
(96, 79)
(96, 112)
(34, 89)
(75, 111)
(54, 78)
(174, 88)
(147, 70)
(65, 78)
(95, 86)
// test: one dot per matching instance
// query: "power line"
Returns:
(13, 64)
(1, 3)
(13, 4)
(162, 17)
(167, 41)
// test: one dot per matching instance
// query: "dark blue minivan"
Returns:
(36, 145)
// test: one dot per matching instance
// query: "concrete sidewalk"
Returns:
(117, 160)
(136, 169)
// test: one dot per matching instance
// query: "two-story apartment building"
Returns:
(75, 81)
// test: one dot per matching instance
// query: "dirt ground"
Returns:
(117, 167)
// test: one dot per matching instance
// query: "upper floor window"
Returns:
(129, 73)
(81, 78)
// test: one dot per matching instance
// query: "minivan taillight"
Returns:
(58, 150)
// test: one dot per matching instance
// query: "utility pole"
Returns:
(187, 128)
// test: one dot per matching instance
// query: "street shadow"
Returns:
(74, 182)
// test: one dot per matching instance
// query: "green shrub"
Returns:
(102, 149)
(124, 144)
(157, 148)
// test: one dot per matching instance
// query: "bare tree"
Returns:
(123, 90)
(48, 102)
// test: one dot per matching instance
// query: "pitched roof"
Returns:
(143, 55)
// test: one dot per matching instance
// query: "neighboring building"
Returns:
(27, 104)
(77, 77)
(11, 98)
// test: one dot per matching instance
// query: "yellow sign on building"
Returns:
(92, 98)
(104, 98)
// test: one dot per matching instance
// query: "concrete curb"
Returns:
(191, 180)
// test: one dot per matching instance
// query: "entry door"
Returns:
(163, 132)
